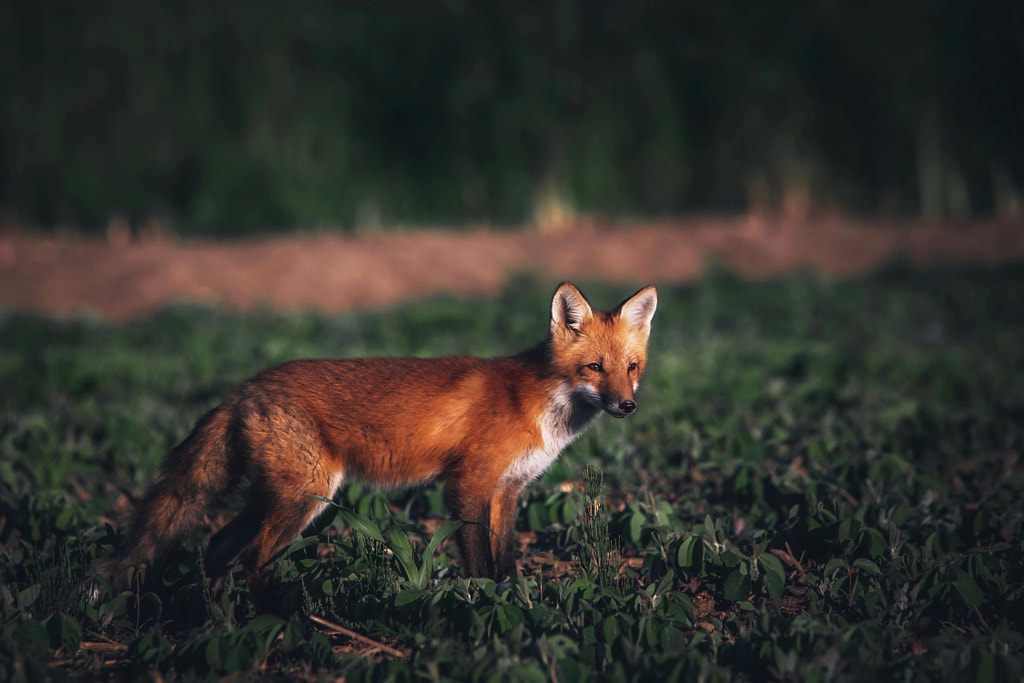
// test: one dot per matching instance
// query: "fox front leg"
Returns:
(503, 525)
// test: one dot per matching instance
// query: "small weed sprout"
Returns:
(206, 586)
(309, 605)
(378, 577)
(58, 574)
(595, 549)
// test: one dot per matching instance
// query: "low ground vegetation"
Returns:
(823, 482)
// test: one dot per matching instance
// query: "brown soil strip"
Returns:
(119, 278)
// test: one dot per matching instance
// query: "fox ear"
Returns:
(638, 310)
(569, 310)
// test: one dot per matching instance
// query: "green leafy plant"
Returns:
(416, 571)
(823, 483)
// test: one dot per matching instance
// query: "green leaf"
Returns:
(611, 629)
(986, 672)
(737, 587)
(65, 633)
(833, 566)
(212, 652)
(775, 575)
(875, 542)
(636, 525)
(408, 596)
(294, 635)
(508, 616)
(403, 551)
(969, 589)
(558, 646)
(264, 622)
(362, 525)
(691, 553)
(572, 670)
(441, 533)
(32, 635)
(319, 650)
(64, 519)
(150, 648)
(535, 517)
(29, 596)
(867, 565)
(303, 542)
(665, 585)
(652, 631)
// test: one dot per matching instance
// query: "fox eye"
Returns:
(596, 367)
(631, 368)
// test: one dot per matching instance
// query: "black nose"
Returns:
(627, 407)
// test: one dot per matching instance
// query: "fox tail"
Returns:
(194, 477)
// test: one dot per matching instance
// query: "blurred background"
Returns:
(223, 118)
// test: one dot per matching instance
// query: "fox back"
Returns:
(487, 426)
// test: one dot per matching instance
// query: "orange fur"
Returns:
(489, 426)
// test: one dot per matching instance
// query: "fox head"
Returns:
(603, 353)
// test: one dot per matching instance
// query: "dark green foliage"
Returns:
(246, 115)
(823, 482)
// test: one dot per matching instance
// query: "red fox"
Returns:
(488, 426)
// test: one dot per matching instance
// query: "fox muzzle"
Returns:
(620, 409)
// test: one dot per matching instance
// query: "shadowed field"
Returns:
(823, 480)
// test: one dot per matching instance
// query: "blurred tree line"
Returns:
(231, 115)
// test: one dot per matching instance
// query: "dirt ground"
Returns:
(125, 276)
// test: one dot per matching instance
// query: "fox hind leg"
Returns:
(283, 518)
(228, 543)
(475, 536)
(290, 464)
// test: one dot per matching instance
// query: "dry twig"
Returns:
(338, 628)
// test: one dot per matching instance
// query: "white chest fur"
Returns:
(568, 414)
